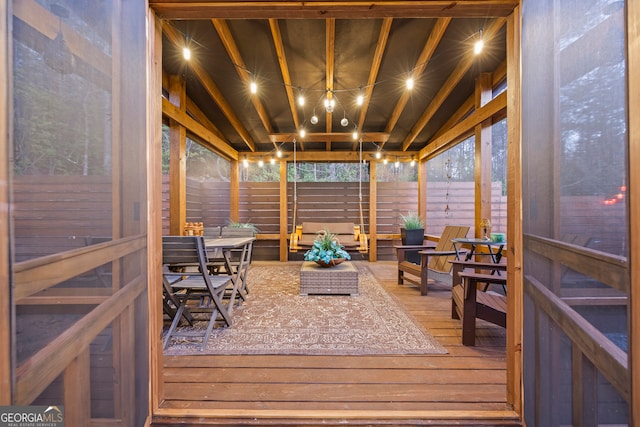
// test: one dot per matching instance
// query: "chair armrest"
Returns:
(440, 253)
(413, 247)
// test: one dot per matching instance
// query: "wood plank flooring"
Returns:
(467, 386)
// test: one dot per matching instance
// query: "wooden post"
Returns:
(77, 387)
(483, 94)
(234, 190)
(514, 215)
(422, 189)
(177, 160)
(373, 209)
(283, 212)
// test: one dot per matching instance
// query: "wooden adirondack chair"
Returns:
(434, 262)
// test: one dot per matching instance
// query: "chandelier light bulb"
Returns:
(329, 104)
(478, 46)
(410, 83)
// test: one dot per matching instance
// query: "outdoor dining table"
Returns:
(224, 246)
(495, 248)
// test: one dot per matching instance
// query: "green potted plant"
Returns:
(238, 229)
(412, 233)
(326, 250)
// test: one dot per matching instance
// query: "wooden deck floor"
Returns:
(464, 387)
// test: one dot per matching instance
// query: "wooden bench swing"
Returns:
(349, 235)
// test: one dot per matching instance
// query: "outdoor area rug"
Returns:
(276, 319)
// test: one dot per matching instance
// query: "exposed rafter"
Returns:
(449, 85)
(178, 41)
(329, 137)
(330, 67)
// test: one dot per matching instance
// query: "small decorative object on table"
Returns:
(485, 223)
(326, 250)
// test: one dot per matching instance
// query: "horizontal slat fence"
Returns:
(54, 215)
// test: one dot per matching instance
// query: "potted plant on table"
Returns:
(412, 233)
(326, 250)
(235, 228)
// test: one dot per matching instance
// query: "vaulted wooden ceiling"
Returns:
(337, 50)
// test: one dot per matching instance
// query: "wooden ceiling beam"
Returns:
(421, 64)
(454, 78)
(496, 107)
(209, 139)
(335, 156)
(330, 35)
(498, 75)
(224, 32)
(264, 9)
(284, 69)
(381, 46)
(207, 82)
(329, 137)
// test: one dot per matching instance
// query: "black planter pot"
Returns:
(412, 237)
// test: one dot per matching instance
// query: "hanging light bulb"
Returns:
(253, 87)
(397, 163)
(302, 133)
(314, 118)
(413, 161)
(360, 99)
(355, 134)
(279, 153)
(329, 103)
(410, 83)
(186, 53)
(261, 162)
(478, 45)
(272, 160)
(378, 154)
(344, 122)
(245, 162)
(385, 160)
(301, 100)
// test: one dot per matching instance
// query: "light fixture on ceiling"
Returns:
(302, 133)
(279, 153)
(253, 87)
(344, 122)
(314, 118)
(329, 102)
(410, 83)
(378, 154)
(355, 134)
(478, 45)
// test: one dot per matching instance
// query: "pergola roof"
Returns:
(294, 52)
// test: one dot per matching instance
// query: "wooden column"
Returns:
(373, 209)
(284, 213)
(77, 387)
(177, 160)
(422, 189)
(483, 94)
(234, 190)
(154, 209)
(514, 215)
(633, 190)
(5, 302)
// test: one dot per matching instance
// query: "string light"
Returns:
(360, 99)
(245, 162)
(410, 83)
(397, 163)
(378, 154)
(413, 161)
(301, 100)
(478, 45)
(186, 53)
(272, 161)
(355, 134)
(261, 162)
(302, 133)
(253, 87)
(279, 153)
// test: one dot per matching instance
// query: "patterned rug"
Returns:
(276, 319)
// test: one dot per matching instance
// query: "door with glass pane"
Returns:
(78, 233)
(576, 237)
